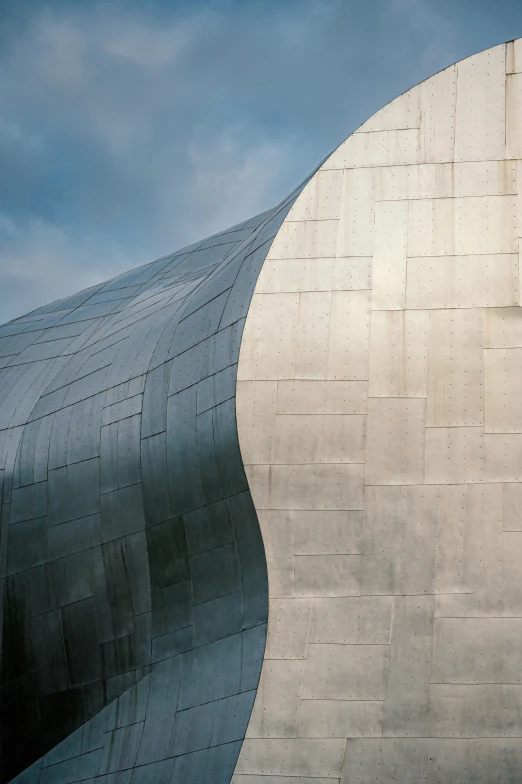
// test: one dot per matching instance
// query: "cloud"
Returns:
(130, 129)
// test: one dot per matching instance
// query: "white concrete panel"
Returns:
(446, 180)
(308, 757)
(503, 382)
(462, 281)
(346, 672)
(312, 335)
(377, 148)
(383, 564)
(407, 686)
(389, 258)
(327, 575)
(270, 337)
(462, 226)
(450, 508)
(348, 342)
(279, 694)
(438, 97)
(328, 274)
(476, 711)
(277, 528)
(400, 114)
(395, 441)
(327, 533)
(480, 129)
(307, 486)
(322, 397)
(512, 573)
(482, 557)
(320, 199)
(288, 629)
(359, 620)
(455, 369)
(512, 507)
(454, 454)
(514, 56)
(318, 438)
(514, 115)
(305, 239)
(340, 719)
(503, 457)
(356, 585)
(356, 222)
(477, 650)
(398, 353)
(503, 328)
(256, 412)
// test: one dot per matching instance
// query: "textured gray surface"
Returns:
(134, 576)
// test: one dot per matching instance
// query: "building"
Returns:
(366, 500)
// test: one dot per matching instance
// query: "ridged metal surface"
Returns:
(134, 576)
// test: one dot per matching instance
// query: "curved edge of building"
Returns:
(134, 576)
(380, 428)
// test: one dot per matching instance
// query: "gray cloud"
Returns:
(128, 130)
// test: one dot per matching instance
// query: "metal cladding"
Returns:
(135, 585)
(371, 489)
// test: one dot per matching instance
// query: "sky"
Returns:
(129, 129)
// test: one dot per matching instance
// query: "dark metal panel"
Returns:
(50, 663)
(218, 618)
(74, 491)
(29, 502)
(129, 652)
(210, 480)
(217, 388)
(252, 656)
(186, 491)
(69, 579)
(131, 705)
(230, 464)
(164, 689)
(73, 536)
(193, 729)
(37, 591)
(232, 717)
(121, 748)
(155, 773)
(83, 439)
(114, 611)
(168, 554)
(254, 577)
(171, 608)
(81, 642)
(109, 458)
(122, 512)
(172, 644)
(156, 496)
(215, 573)
(211, 672)
(214, 354)
(129, 462)
(27, 545)
(200, 324)
(220, 762)
(208, 527)
(154, 401)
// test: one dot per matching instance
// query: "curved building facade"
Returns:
(312, 420)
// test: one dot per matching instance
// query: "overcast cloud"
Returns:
(129, 129)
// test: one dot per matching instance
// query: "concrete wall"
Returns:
(380, 423)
